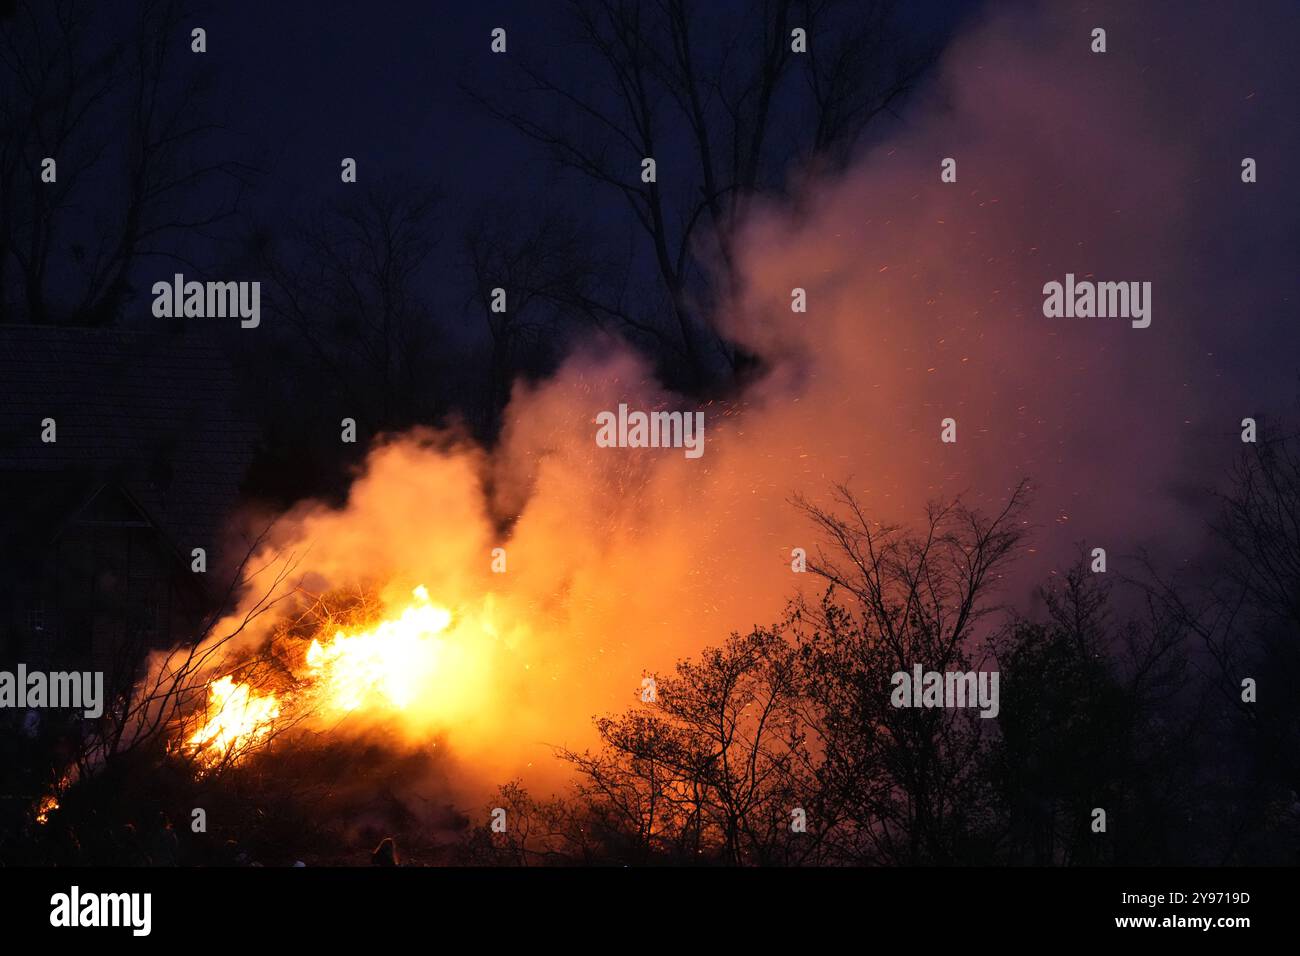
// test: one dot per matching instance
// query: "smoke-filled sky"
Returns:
(925, 301)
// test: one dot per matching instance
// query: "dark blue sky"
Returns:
(308, 83)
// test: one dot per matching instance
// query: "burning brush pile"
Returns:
(345, 658)
(308, 742)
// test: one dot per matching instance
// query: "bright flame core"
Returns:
(386, 665)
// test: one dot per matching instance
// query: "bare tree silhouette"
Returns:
(68, 248)
(727, 108)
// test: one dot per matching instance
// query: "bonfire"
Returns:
(387, 666)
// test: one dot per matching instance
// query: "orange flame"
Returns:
(241, 718)
(396, 665)
(49, 803)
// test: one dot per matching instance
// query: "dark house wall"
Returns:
(150, 453)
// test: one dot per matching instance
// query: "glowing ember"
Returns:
(241, 717)
(49, 803)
